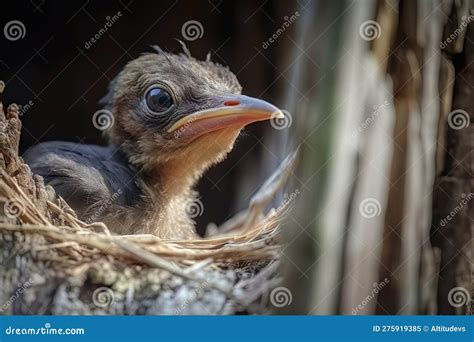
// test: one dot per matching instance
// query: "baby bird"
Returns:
(173, 117)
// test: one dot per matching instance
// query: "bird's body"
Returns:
(101, 185)
(174, 117)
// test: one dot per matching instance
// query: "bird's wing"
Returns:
(86, 176)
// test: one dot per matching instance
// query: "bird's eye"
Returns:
(158, 100)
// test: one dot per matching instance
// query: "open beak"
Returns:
(235, 111)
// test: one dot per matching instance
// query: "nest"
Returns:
(239, 265)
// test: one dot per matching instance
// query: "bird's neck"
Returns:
(169, 198)
(168, 181)
(175, 178)
(177, 175)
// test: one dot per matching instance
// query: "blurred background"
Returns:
(378, 97)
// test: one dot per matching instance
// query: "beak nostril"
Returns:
(231, 103)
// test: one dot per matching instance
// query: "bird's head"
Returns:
(178, 112)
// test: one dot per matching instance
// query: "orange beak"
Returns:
(236, 111)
